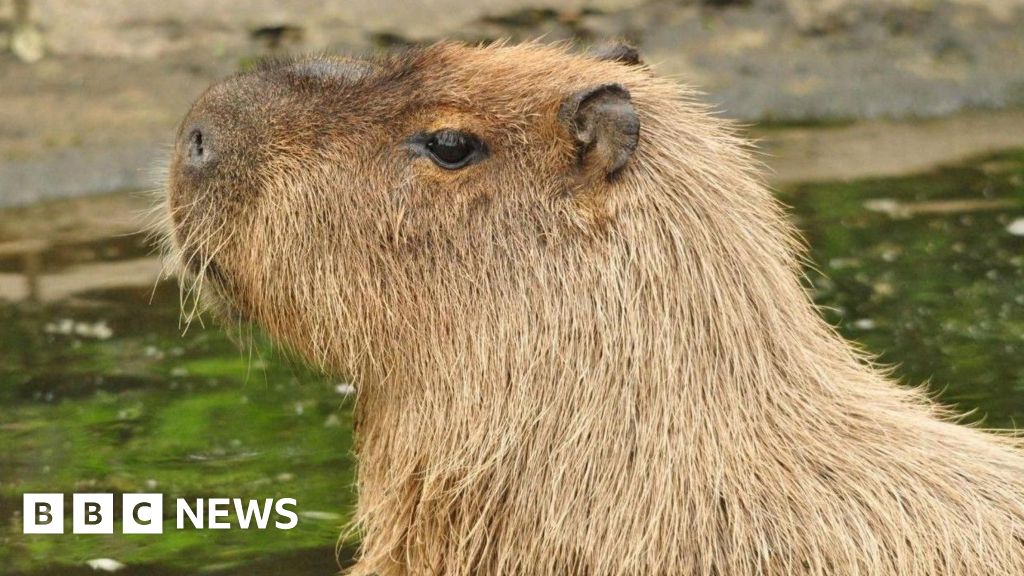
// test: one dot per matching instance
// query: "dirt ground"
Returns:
(99, 108)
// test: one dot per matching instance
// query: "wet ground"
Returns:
(101, 392)
(103, 105)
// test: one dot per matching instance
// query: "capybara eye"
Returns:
(451, 149)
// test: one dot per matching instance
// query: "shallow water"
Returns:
(100, 392)
(927, 272)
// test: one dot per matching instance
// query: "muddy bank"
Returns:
(884, 148)
(92, 109)
(785, 60)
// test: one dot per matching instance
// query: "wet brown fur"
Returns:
(562, 373)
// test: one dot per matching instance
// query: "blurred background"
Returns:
(893, 128)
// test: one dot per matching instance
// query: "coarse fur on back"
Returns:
(567, 365)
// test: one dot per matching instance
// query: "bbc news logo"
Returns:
(144, 513)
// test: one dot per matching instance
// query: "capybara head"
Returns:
(340, 203)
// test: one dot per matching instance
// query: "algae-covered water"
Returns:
(101, 392)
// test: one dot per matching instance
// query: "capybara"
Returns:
(575, 319)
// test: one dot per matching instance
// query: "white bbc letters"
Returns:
(43, 513)
(218, 509)
(142, 514)
(93, 514)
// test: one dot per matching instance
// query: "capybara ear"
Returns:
(605, 125)
(617, 52)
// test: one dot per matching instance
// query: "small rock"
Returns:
(332, 421)
(883, 289)
(319, 515)
(104, 564)
(885, 206)
(98, 331)
(1016, 227)
(66, 327)
(27, 44)
(843, 263)
(345, 389)
(864, 324)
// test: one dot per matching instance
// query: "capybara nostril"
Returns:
(199, 147)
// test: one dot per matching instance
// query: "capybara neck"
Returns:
(578, 332)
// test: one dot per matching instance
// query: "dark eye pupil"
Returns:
(450, 147)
